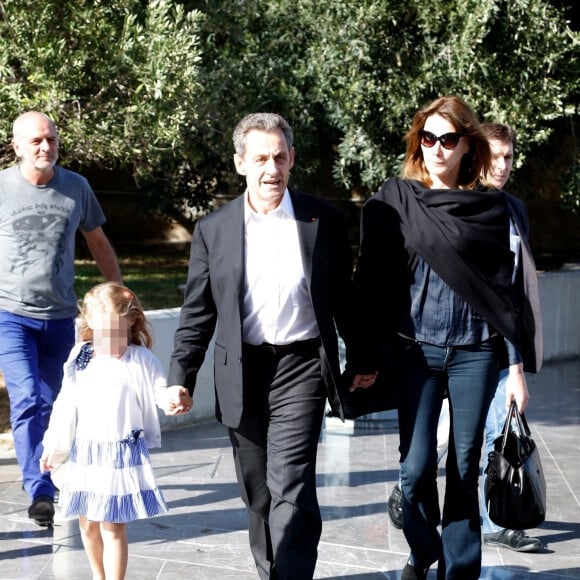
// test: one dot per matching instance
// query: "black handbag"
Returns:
(515, 488)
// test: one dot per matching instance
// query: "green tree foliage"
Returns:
(350, 74)
(158, 85)
(118, 77)
(252, 51)
(375, 62)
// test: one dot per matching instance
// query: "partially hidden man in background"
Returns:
(502, 141)
(270, 273)
(41, 207)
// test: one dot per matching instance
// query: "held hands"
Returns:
(363, 381)
(178, 401)
(516, 387)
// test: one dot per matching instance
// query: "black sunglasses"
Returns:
(447, 140)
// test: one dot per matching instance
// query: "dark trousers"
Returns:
(469, 376)
(275, 450)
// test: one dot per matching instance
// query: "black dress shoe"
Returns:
(513, 540)
(395, 507)
(42, 511)
(411, 572)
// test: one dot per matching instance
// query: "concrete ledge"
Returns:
(560, 303)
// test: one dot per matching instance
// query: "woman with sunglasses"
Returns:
(433, 279)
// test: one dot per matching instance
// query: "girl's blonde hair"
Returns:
(113, 297)
(474, 164)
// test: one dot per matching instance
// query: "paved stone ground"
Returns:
(204, 534)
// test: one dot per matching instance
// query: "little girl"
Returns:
(106, 415)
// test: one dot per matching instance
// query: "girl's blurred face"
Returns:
(442, 163)
(110, 333)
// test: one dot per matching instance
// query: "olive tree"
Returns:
(157, 86)
(373, 63)
(118, 77)
(349, 75)
(252, 52)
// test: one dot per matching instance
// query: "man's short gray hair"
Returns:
(260, 122)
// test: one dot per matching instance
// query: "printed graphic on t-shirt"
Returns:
(40, 236)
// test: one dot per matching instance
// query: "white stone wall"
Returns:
(560, 303)
(164, 323)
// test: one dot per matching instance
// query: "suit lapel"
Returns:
(532, 316)
(233, 231)
(307, 223)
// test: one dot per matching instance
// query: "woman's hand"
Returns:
(516, 387)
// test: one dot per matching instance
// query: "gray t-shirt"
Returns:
(38, 225)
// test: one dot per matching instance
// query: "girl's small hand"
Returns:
(47, 461)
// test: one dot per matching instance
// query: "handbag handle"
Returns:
(521, 423)
(513, 410)
(522, 430)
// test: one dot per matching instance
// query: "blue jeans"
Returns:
(32, 354)
(469, 375)
(493, 427)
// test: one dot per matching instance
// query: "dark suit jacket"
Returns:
(532, 340)
(214, 297)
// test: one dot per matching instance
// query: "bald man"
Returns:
(42, 206)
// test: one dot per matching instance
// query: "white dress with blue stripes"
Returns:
(107, 415)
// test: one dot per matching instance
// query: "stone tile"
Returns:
(204, 534)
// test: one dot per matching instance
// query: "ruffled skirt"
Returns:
(111, 482)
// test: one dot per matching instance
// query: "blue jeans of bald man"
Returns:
(470, 375)
(32, 354)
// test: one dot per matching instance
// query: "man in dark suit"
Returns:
(269, 272)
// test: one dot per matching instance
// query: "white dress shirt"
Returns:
(277, 305)
(515, 244)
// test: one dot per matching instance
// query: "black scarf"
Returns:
(463, 235)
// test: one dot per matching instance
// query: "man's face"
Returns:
(502, 159)
(266, 165)
(36, 144)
